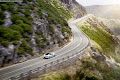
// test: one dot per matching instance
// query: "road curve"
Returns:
(79, 41)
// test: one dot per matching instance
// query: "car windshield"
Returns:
(47, 53)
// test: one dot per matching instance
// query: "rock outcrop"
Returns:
(75, 7)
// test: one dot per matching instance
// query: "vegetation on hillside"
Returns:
(22, 27)
(55, 15)
(100, 34)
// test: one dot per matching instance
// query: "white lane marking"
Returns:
(59, 55)
(43, 62)
(72, 49)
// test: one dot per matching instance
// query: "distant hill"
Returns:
(109, 15)
(105, 11)
(113, 25)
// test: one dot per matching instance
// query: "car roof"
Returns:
(50, 53)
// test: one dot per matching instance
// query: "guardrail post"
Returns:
(63, 59)
(51, 63)
(58, 61)
(68, 57)
(45, 66)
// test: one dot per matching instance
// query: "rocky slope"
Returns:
(33, 27)
(75, 7)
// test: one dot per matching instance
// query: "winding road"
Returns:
(79, 41)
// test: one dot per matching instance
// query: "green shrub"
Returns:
(40, 13)
(17, 28)
(30, 0)
(28, 39)
(15, 42)
(9, 34)
(30, 7)
(28, 49)
(15, 12)
(24, 48)
(30, 19)
(27, 13)
(38, 32)
(18, 22)
(47, 43)
(64, 29)
(16, 17)
(21, 51)
(25, 36)
(2, 15)
(27, 28)
(24, 1)
(24, 43)
(4, 7)
(51, 28)
(32, 54)
(5, 43)
(1, 39)
(11, 8)
(1, 22)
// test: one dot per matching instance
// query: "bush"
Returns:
(28, 49)
(4, 7)
(11, 8)
(40, 13)
(24, 1)
(24, 43)
(27, 28)
(5, 43)
(18, 22)
(30, 7)
(17, 28)
(1, 22)
(51, 28)
(9, 34)
(15, 12)
(21, 51)
(16, 17)
(32, 54)
(25, 36)
(30, 19)
(28, 39)
(27, 13)
(15, 43)
(64, 29)
(24, 48)
(2, 15)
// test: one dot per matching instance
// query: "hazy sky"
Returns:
(98, 2)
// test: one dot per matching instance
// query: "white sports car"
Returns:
(49, 55)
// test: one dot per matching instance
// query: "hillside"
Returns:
(104, 11)
(113, 25)
(33, 27)
(99, 62)
(109, 15)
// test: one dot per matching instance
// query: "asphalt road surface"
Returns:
(78, 42)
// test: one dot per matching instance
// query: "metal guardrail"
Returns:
(38, 69)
